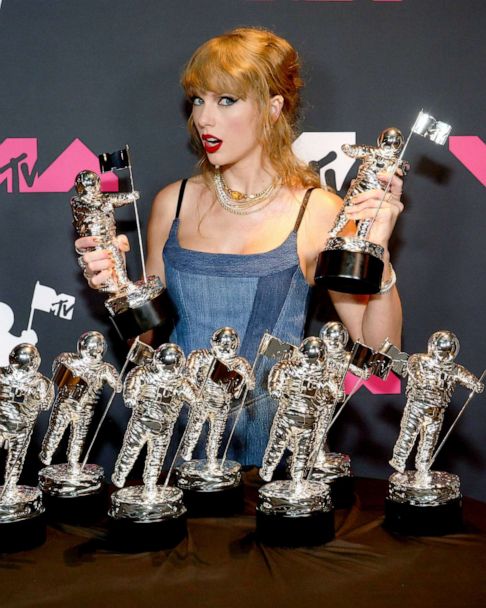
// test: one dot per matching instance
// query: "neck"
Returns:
(248, 176)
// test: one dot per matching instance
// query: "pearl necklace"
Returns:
(238, 202)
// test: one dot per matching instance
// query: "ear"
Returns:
(276, 105)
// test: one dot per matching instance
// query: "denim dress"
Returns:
(252, 293)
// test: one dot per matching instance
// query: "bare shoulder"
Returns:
(323, 205)
(322, 209)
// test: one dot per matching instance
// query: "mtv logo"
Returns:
(323, 150)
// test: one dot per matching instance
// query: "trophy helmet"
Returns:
(225, 342)
(313, 349)
(391, 138)
(169, 357)
(92, 344)
(443, 346)
(334, 335)
(87, 182)
(25, 357)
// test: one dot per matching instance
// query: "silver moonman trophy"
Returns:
(353, 264)
(212, 484)
(134, 307)
(151, 516)
(422, 501)
(334, 468)
(24, 392)
(296, 512)
(74, 492)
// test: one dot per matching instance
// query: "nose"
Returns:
(204, 115)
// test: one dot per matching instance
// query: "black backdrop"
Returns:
(106, 73)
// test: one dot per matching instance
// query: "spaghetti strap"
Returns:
(181, 196)
(302, 208)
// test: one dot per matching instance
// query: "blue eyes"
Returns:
(224, 100)
(227, 101)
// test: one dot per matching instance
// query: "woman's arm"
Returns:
(369, 318)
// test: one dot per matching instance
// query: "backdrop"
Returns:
(81, 78)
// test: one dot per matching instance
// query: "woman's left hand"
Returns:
(364, 206)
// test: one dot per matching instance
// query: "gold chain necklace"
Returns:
(240, 203)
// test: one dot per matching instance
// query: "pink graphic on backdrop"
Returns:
(390, 386)
(18, 167)
(471, 151)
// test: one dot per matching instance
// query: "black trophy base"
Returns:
(349, 271)
(220, 503)
(129, 536)
(23, 535)
(415, 520)
(277, 530)
(133, 322)
(342, 492)
(83, 510)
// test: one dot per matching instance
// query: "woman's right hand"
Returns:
(98, 263)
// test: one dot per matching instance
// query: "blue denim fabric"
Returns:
(251, 293)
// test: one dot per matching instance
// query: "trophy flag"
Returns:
(430, 128)
(120, 159)
(114, 160)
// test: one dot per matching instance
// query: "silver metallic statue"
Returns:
(329, 465)
(302, 388)
(432, 378)
(93, 215)
(24, 392)
(382, 158)
(221, 376)
(156, 392)
(80, 377)
(215, 399)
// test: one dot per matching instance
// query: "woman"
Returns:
(236, 245)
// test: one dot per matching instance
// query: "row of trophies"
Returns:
(307, 383)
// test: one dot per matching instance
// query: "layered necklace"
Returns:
(239, 202)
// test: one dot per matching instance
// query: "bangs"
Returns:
(220, 69)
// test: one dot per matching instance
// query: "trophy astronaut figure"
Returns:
(221, 376)
(93, 215)
(332, 466)
(423, 501)
(80, 378)
(285, 508)
(24, 392)
(382, 158)
(431, 381)
(352, 263)
(156, 392)
(302, 389)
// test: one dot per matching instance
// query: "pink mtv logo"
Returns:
(18, 167)
(471, 151)
(390, 386)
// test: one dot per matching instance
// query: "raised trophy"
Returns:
(134, 307)
(24, 392)
(422, 501)
(213, 485)
(150, 516)
(299, 511)
(75, 492)
(353, 264)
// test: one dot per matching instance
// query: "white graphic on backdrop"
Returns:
(323, 151)
(46, 299)
(7, 340)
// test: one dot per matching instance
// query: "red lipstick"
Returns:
(211, 144)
